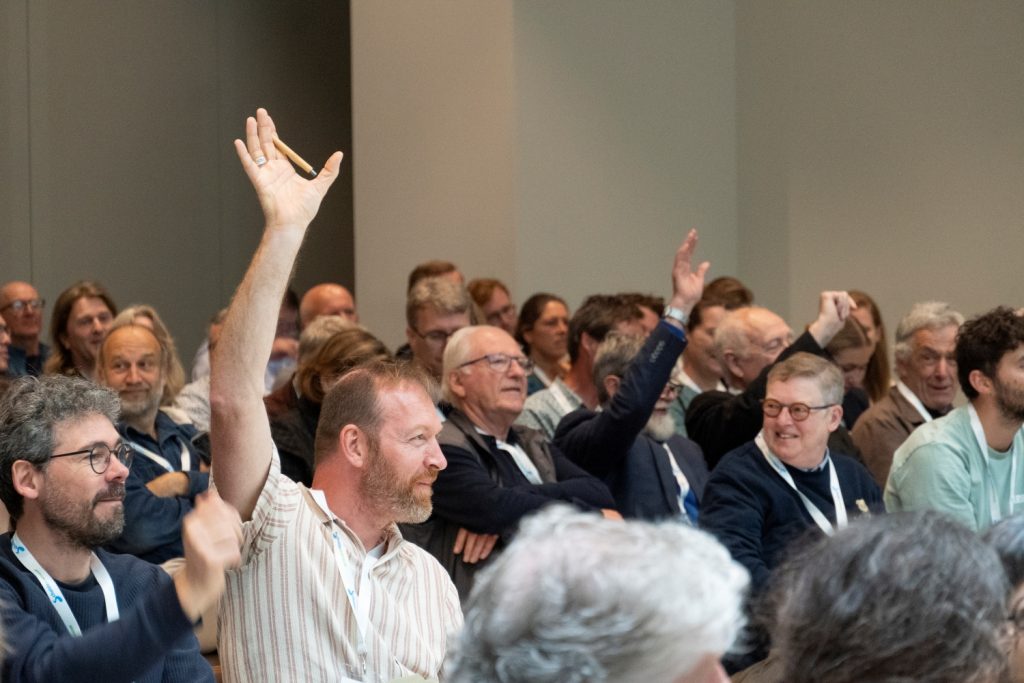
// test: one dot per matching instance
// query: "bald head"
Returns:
(747, 341)
(328, 298)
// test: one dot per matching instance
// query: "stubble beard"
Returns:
(1010, 402)
(76, 521)
(404, 502)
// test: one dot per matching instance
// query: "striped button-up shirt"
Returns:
(285, 615)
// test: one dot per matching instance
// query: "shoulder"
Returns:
(572, 420)
(174, 420)
(739, 464)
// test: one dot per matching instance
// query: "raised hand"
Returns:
(212, 536)
(687, 283)
(288, 199)
(833, 310)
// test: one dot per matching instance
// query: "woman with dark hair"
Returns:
(81, 318)
(543, 332)
(877, 379)
(294, 432)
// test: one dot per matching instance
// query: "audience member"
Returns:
(493, 304)
(284, 354)
(748, 342)
(327, 298)
(851, 350)
(651, 309)
(926, 366)
(22, 308)
(786, 481)
(877, 380)
(497, 472)
(909, 598)
(599, 315)
(730, 292)
(5, 376)
(632, 442)
(146, 315)
(435, 310)
(578, 598)
(193, 401)
(445, 270)
(162, 486)
(700, 369)
(1007, 539)
(294, 430)
(294, 611)
(286, 397)
(72, 610)
(81, 317)
(968, 463)
(543, 332)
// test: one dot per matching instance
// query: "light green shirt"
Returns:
(545, 409)
(942, 467)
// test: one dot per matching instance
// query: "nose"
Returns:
(435, 458)
(116, 470)
(133, 376)
(943, 367)
(98, 326)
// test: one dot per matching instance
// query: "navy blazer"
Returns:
(610, 444)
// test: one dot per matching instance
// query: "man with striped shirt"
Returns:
(328, 589)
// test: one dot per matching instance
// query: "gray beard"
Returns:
(660, 427)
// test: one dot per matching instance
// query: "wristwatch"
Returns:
(677, 314)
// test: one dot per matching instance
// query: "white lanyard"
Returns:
(990, 484)
(53, 591)
(541, 375)
(360, 608)
(681, 482)
(833, 482)
(186, 456)
(914, 401)
(561, 398)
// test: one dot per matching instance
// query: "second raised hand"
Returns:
(687, 282)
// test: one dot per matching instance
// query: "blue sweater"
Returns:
(151, 641)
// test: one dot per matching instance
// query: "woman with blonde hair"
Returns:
(878, 377)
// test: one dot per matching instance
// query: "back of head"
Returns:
(614, 356)
(481, 289)
(60, 360)
(983, 340)
(876, 604)
(1007, 539)
(735, 330)
(808, 366)
(444, 296)
(597, 316)
(580, 598)
(729, 292)
(31, 409)
(927, 315)
(343, 351)
(146, 315)
(430, 269)
(355, 399)
(316, 334)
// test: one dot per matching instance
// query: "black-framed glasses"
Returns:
(500, 362)
(100, 454)
(20, 305)
(672, 389)
(435, 337)
(798, 411)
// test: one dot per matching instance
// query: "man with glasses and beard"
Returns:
(72, 610)
(328, 589)
(970, 463)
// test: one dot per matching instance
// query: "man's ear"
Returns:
(589, 344)
(732, 364)
(455, 384)
(835, 417)
(611, 384)
(353, 445)
(981, 382)
(27, 479)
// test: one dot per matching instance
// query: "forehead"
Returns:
(131, 340)
(18, 290)
(710, 317)
(1013, 357)
(499, 298)
(88, 305)
(554, 309)
(406, 407)
(863, 315)
(942, 339)
(795, 390)
(83, 431)
(429, 319)
(492, 340)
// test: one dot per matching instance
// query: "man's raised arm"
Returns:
(239, 430)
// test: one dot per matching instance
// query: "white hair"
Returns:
(580, 598)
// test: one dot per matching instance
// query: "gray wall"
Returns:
(117, 120)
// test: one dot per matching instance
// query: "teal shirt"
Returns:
(941, 467)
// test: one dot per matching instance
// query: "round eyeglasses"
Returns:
(100, 454)
(798, 411)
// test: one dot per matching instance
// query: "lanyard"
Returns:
(360, 608)
(914, 401)
(681, 482)
(993, 499)
(24, 555)
(186, 455)
(833, 482)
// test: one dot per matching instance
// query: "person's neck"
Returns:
(580, 381)
(64, 560)
(999, 428)
(551, 367)
(30, 345)
(86, 366)
(346, 502)
(700, 375)
(145, 423)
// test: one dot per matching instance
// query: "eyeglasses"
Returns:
(99, 456)
(500, 362)
(672, 389)
(435, 337)
(20, 305)
(798, 411)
